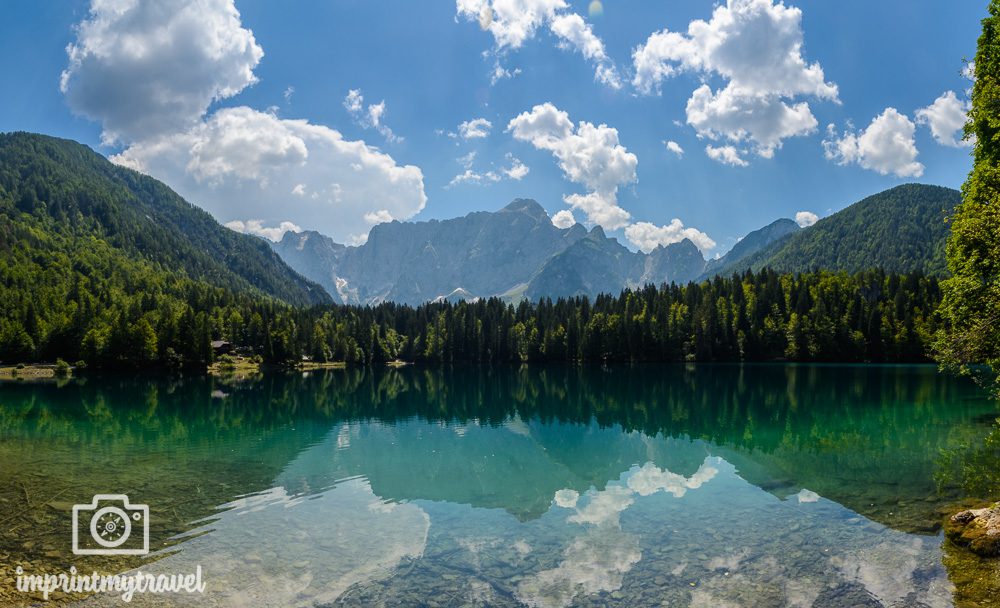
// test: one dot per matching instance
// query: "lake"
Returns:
(708, 485)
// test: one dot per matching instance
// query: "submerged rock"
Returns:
(978, 529)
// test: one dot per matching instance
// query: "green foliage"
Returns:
(54, 188)
(62, 368)
(870, 316)
(100, 263)
(902, 229)
(971, 304)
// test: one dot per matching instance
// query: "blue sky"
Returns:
(244, 108)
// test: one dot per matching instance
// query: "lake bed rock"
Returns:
(978, 529)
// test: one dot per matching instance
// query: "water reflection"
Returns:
(708, 485)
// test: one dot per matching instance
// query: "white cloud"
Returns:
(472, 177)
(382, 216)
(517, 170)
(738, 116)
(806, 218)
(475, 128)
(370, 118)
(674, 147)
(563, 219)
(647, 236)
(727, 155)
(756, 46)
(575, 33)
(289, 91)
(240, 162)
(588, 155)
(145, 69)
(501, 73)
(256, 227)
(467, 160)
(969, 70)
(354, 102)
(514, 22)
(946, 117)
(886, 146)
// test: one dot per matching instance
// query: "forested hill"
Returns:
(59, 196)
(903, 229)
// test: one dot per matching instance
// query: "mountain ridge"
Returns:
(63, 186)
(512, 253)
(516, 252)
(902, 229)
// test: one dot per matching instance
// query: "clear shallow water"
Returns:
(703, 486)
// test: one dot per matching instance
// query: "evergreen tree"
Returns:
(971, 304)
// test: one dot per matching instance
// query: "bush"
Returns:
(81, 364)
(19, 366)
(62, 368)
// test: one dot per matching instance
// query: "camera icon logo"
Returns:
(112, 526)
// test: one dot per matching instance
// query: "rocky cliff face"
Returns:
(512, 253)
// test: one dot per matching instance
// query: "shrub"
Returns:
(62, 368)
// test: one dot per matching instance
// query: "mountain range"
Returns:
(61, 197)
(517, 253)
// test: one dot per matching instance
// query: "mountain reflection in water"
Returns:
(555, 486)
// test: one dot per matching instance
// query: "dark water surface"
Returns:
(770, 485)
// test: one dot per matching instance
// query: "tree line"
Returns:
(135, 316)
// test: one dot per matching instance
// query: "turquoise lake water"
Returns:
(757, 485)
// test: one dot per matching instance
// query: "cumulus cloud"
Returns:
(727, 155)
(241, 162)
(149, 71)
(588, 155)
(806, 218)
(563, 219)
(674, 147)
(886, 146)
(370, 117)
(144, 69)
(946, 117)
(739, 116)
(756, 45)
(647, 236)
(475, 128)
(257, 228)
(514, 22)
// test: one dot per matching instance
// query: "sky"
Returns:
(656, 119)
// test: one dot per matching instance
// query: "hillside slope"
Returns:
(902, 229)
(102, 263)
(63, 187)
